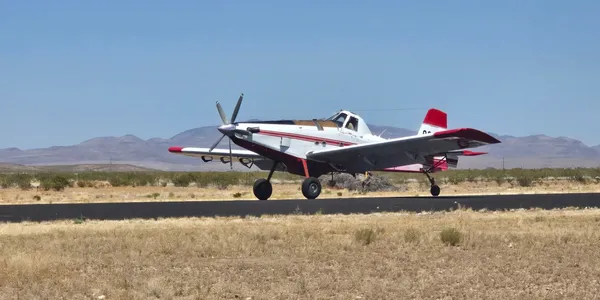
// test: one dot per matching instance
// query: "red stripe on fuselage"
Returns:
(295, 165)
(308, 138)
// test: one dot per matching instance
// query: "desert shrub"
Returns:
(373, 183)
(223, 182)
(525, 181)
(55, 182)
(499, 179)
(412, 235)
(378, 183)
(21, 180)
(365, 236)
(183, 180)
(85, 183)
(142, 179)
(118, 181)
(24, 182)
(450, 236)
(456, 177)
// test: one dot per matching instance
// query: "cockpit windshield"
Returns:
(332, 117)
(338, 118)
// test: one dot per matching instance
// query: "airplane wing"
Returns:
(245, 157)
(204, 152)
(403, 151)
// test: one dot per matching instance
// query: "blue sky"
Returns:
(73, 70)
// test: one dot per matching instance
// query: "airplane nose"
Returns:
(226, 129)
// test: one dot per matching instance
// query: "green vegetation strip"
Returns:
(60, 180)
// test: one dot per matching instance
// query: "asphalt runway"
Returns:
(241, 208)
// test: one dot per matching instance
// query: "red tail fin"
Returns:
(435, 120)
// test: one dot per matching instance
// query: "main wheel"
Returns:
(311, 188)
(435, 190)
(262, 189)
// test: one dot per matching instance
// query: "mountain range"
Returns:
(535, 151)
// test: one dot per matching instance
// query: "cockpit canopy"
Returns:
(350, 121)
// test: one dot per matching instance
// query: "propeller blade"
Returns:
(222, 113)
(216, 143)
(230, 156)
(237, 108)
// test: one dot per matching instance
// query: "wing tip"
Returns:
(473, 153)
(175, 149)
(468, 133)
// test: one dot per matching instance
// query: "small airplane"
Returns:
(341, 143)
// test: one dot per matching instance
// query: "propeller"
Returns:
(228, 126)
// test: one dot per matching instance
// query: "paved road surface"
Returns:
(151, 210)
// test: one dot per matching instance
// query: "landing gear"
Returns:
(262, 187)
(435, 189)
(311, 188)
(331, 182)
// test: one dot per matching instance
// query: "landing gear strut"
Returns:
(331, 182)
(262, 187)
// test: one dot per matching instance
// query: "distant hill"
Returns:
(8, 168)
(527, 152)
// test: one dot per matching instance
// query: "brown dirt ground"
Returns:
(499, 255)
(105, 193)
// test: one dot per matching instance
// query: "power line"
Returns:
(387, 109)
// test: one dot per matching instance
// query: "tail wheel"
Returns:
(311, 188)
(435, 190)
(262, 189)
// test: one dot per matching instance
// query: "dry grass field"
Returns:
(455, 255)
(103, 192)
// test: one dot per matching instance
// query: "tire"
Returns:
(311, 188)
(435, 190)
(262, 189)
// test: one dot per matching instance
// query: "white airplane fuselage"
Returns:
(298, 140)
(288, 141)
